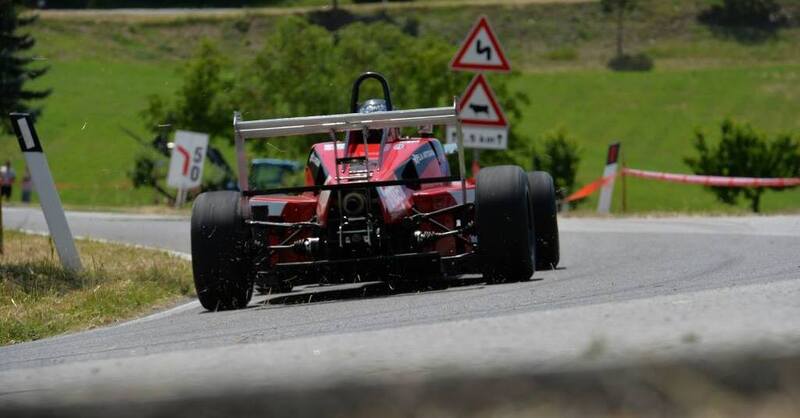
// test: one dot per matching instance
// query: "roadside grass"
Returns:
(103, 70)
(38, 298)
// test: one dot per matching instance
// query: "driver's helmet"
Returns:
(371, 106)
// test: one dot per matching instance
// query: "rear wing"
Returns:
(331, 124)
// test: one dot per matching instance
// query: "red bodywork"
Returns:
(402, 159)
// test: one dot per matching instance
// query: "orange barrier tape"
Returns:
(589, 188)
(716, 181)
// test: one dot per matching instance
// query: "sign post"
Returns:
(483, 122)
(186, 163)
(1, 224)
(604, 203)
(46, 188)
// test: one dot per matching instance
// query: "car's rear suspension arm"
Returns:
(285, 224)
(424, 236)
(419, 216)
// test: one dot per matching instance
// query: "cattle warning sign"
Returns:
(483, 122)
(478, 105)
(480, 51)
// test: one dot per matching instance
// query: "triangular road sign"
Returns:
(478, 106)
(480, 51)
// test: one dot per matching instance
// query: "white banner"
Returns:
(480, 137)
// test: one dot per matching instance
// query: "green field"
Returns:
(102, 72)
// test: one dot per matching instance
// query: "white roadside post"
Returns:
(186, 163)
(607, 192)
(46, 188)
(482, 120)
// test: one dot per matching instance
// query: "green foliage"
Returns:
(560, 156)
(745, 152)
(303, 69)
(15, 69)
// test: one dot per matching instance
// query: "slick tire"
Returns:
(504, 224)
(543, 203)
(222, 271)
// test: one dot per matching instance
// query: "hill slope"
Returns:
(103, 70)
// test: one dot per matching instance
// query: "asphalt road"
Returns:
(628, 290)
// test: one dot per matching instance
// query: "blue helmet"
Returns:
(373, 105)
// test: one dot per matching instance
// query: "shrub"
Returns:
(560, 157)
(636, 62)
(744, 152)
(751, 13)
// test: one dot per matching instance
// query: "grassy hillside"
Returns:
(103, 70)
(655, 116)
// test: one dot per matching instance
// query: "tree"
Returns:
(619, 8)
(199, 105)
(200, 102)
(304, 69)
(15, 68)
(744, 152)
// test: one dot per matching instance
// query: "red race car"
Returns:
(377, 206)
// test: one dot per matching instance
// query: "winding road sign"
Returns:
(480, 51)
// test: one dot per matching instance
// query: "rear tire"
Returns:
(504, 224)
(222, 271)
(543, 205)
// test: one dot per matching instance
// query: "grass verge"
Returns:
(38, 298)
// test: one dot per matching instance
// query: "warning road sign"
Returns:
(478, 105)
(188, 155)
(480, 51)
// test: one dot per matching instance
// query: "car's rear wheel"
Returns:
(504, 224)
(222, 270)
(545, 223)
